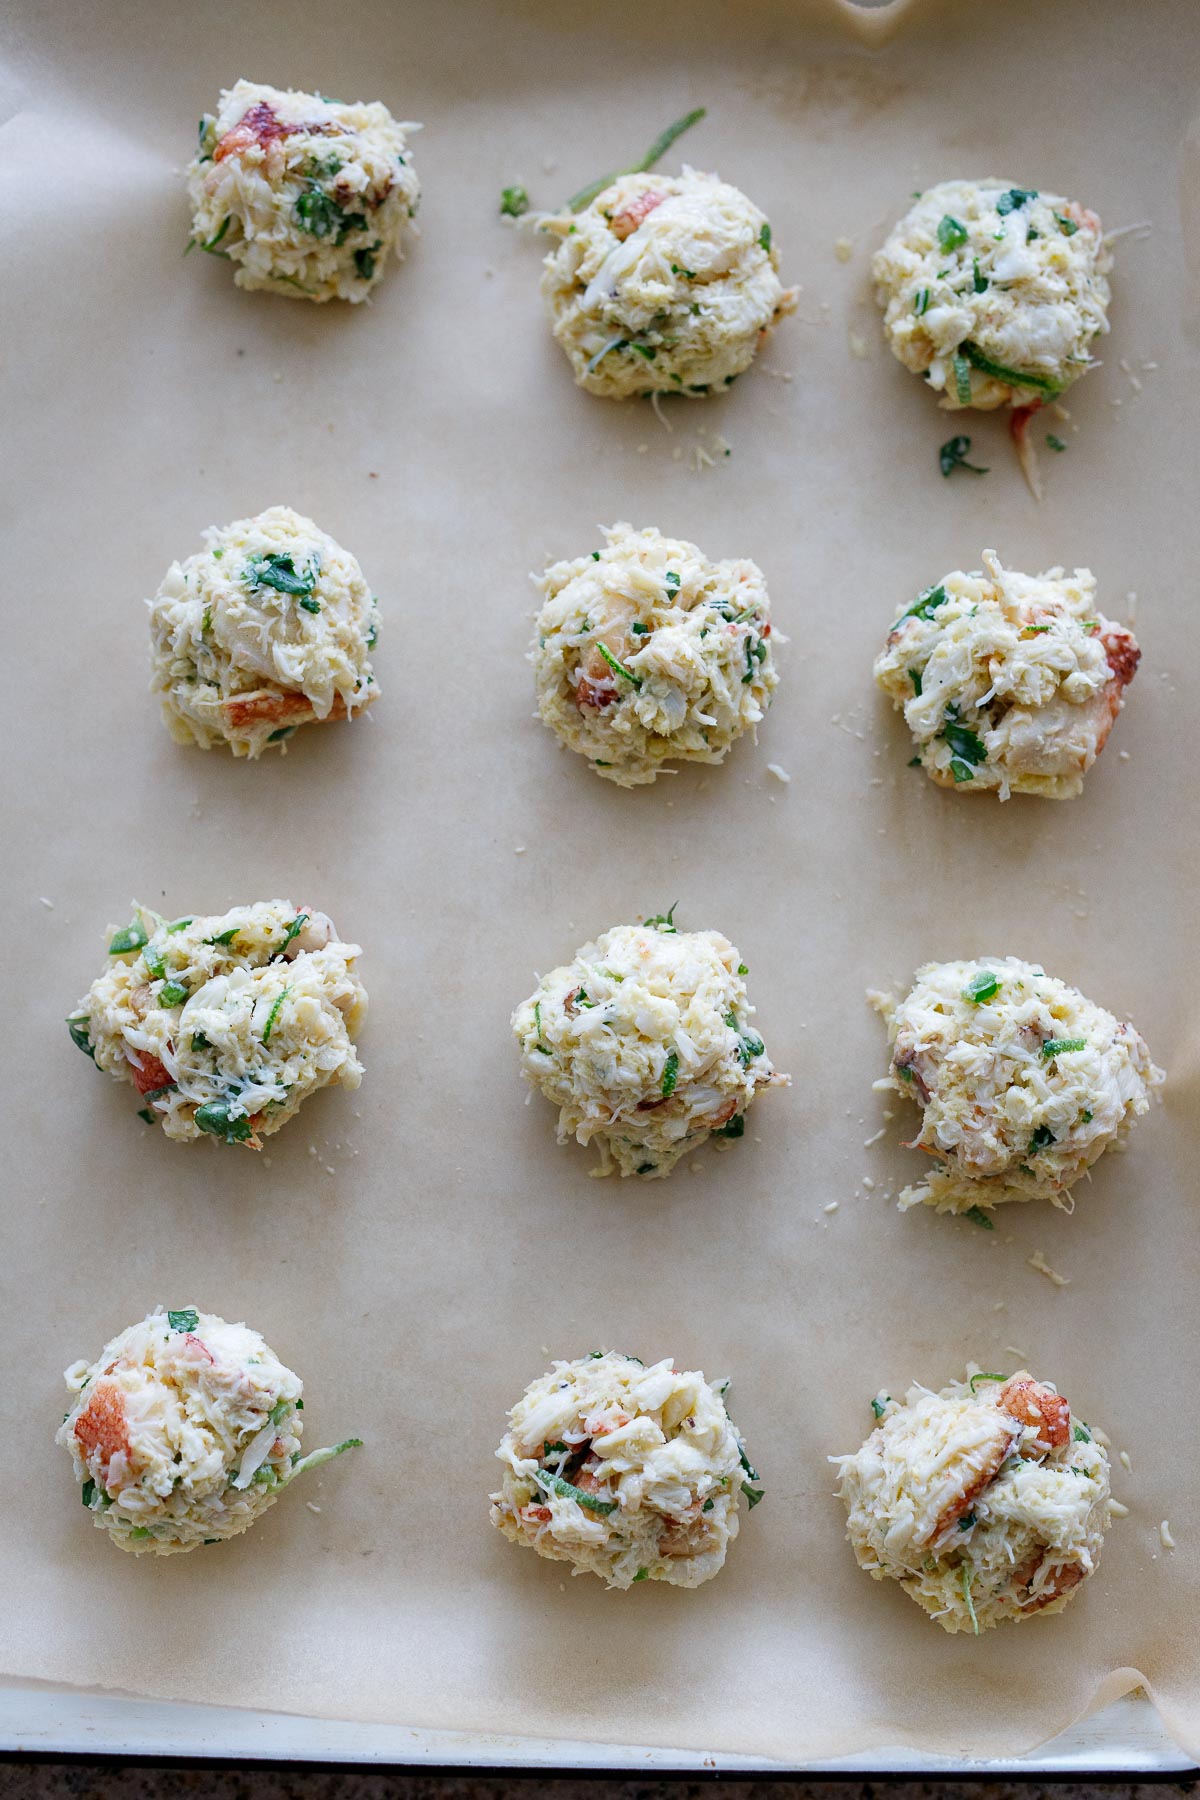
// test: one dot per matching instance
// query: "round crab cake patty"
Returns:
(663, 284)
(647, 653)
(305, 196)
(270, 626)
(183, 1431)
(643, 1042)
(1008, 682)
(987, 1501)
(994, 293)
(1022, 1083)
(631, 1473)
(225, 1025)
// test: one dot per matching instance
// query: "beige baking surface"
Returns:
(418, 1250)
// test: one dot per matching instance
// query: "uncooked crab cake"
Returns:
(626, 1472)
(270, 626)
(647, 653)
(994, 293)
(1009, 683)
(225, 1025)
(1022, 1083)
(644, 1044)
(987, 1501)
(664, 284)
(305, 196)
(183, 1431)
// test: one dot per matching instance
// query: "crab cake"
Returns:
(994, 294)
(987, 1501)
(647, 653)
(270, 626)
(1022, 1083)
(644, 1044)
(1009, 683)
(225, 1025)
(631, 1473)
(663, 284)
(305, 196)
(183, 1431)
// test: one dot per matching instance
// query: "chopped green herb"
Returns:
(141, 1531)
(155, 960)
(951, 233)
(172, 993)
(317, 212)
(1068, 225)
(557, 1449)
(641, 1575)
(921, 302)
(743, 969)
(133, 937)
(211, 245)
(646, 350)
(764, 238)
(670, 1074)
(878, 1407)
(953, 455)
(672, 581)
(617, 343)
(213, 1117)
(278, 1001)
(982, 986)
(224, 937)
(178, 925)
(962, 379)
(664, 921)
(77, 1026)
(914, 762)
(87, 1492)
(965, 748)
(145, 1113)
(617, 666)
(1055, 443)
(294, 929)
(200, 1042)
(658, 148)
(1082, 1435)
(1042, 384)
(1013, 199)
(966, 1588)
(977, 1216)
(1086, 1116)
(979, 281)
(554, 1484)
(966, 1522)
(914, 675)
(364, 261)
(983, 1376)
(537, 1019)
(277, 737)
(513, 201)
(1059, 1046)
(186, 1319)
(1041, 1138)
(158, 1092)
(735, 1128)
(278, 570)
(926, 604)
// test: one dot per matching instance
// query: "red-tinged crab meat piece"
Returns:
(197, 1348)
(248, 710)
(1033, 1403)
(1121, 649)
(259, 125)
(101, 1428)
(1059, 1583)
(1083, 215)
(150, 1075)
(634, 212)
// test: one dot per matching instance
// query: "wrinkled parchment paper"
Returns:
(419, 1250)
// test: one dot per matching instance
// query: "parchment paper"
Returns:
(420, 1250)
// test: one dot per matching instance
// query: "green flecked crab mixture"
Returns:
(663, 284)
(987, 1501)
(626, 1472)
(1009, 683)
(305, 196)
(269, 627)
(647, 653)
(226, 1024)
(1022, 1083)
(183, 1431)
(644, 1044)
(994, 293)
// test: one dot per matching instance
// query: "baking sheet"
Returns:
(418, 1250)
